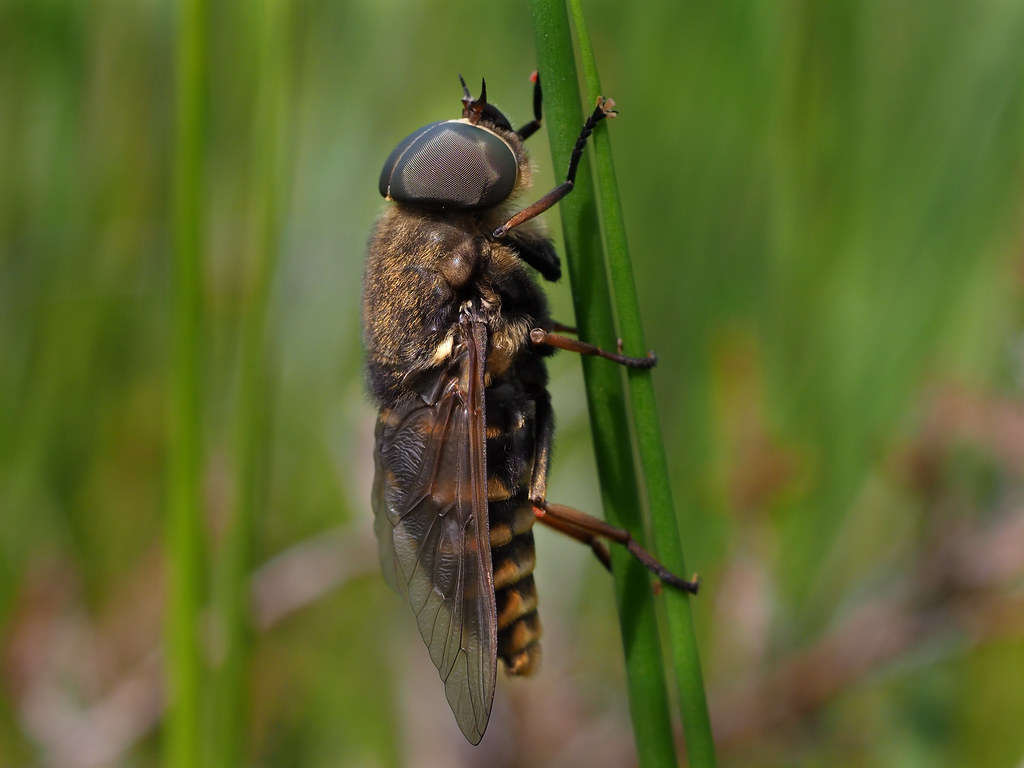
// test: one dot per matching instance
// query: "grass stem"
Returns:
(184, 534)
(268, 43)
(666, 543)
(606, 398)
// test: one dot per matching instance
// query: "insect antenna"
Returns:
(472, 108)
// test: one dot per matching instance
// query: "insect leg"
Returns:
(544, 430)
(544, 433)
(531, 127)
(601, 111)
(537, 251)
(589, 528)
(540, 336)
(584, 537)
(558, 327)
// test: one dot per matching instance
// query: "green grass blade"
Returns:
(650, 446)
(184, 540)
(605, 392)
(231, 690)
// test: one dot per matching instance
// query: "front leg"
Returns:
(538, 251)
(604, 109)
(531, 127)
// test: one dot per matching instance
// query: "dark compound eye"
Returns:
(450, 164)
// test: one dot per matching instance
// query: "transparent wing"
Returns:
(430, 509)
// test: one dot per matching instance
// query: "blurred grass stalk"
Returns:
(184, 533)
(267, 46)
(607, 406)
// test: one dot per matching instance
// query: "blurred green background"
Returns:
(824, 206)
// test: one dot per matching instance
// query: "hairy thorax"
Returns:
(415, 287)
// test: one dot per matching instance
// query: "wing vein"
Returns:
(430, 505)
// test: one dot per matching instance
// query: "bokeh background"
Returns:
(824, 206)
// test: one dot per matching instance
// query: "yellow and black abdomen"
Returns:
(510, 459)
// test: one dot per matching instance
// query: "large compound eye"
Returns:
(450, 164)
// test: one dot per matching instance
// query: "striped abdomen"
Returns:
(510, 459)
